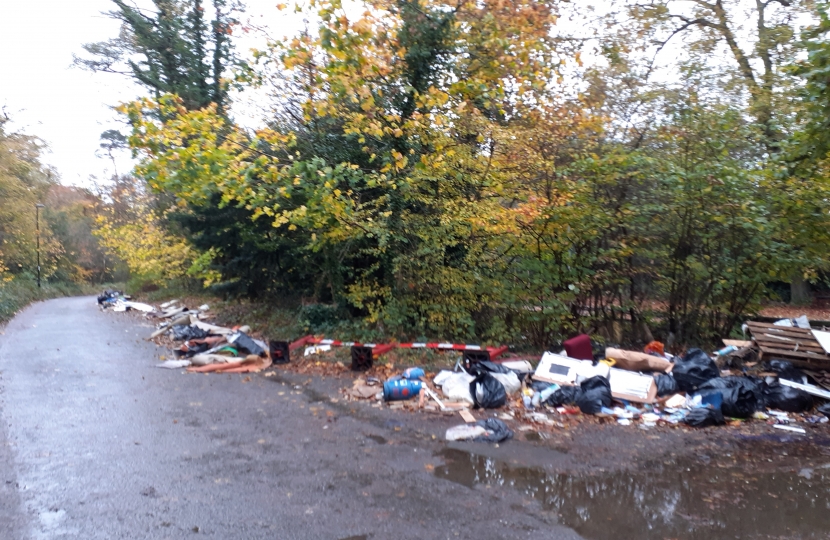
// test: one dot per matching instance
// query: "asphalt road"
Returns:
(97, 443)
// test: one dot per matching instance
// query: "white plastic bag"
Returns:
(510, 381)
(465, 432)
(455, 385)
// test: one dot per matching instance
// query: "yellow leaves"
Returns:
(149, 251)
(368, 104)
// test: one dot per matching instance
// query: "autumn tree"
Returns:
(24, 181)
(756, 36)
(172, 48)
(429, 166)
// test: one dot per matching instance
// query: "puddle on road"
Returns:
(669, 500)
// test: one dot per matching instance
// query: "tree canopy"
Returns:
(480, 170)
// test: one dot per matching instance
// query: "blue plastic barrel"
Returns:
(400, 389)
(413, 373)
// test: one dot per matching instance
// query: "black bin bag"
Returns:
(666, 385)
(787, 398)
(596, 394)
(566, 395)
(704, 417)
(742, 396)
(694, 369)
(487, 391)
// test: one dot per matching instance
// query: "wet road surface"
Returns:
(97, 443)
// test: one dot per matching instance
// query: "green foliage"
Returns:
(810, 145)
(170, 48)
(18, 293)
(423, 173)
(24, 182)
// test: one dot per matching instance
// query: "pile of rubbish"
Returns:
(779, 377)
(646, 389)
(118, 301)
(197, 345)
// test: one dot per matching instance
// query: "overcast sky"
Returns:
(66, 106)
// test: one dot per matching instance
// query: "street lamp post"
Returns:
(38, 206)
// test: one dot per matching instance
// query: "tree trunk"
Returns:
(800, 291)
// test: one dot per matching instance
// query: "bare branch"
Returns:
(707, 5)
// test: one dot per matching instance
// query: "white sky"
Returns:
(68, 107)
(65, 106)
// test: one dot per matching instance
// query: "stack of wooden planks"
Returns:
(797, 345)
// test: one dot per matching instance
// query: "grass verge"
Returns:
(20, 292)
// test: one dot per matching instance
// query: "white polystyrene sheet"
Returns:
(464, 432)
(809, 388)
(823, 339)
(146, 308)
(630, 383)
(798, 322)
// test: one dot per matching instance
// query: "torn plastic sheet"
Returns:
(455, 385)
(206, 359)
(489, 430)
(213, 329)
(139, 306)
(183, 332)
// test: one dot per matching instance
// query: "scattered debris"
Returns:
(628, 388)
(174, 364)
(637, 361)
(796, 344)
(791, 428)
(467, 416)
(490, 430)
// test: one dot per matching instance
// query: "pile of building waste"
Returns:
(778, 377)
(118, 301)
(197, 345)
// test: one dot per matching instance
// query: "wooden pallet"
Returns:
(798, 345)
